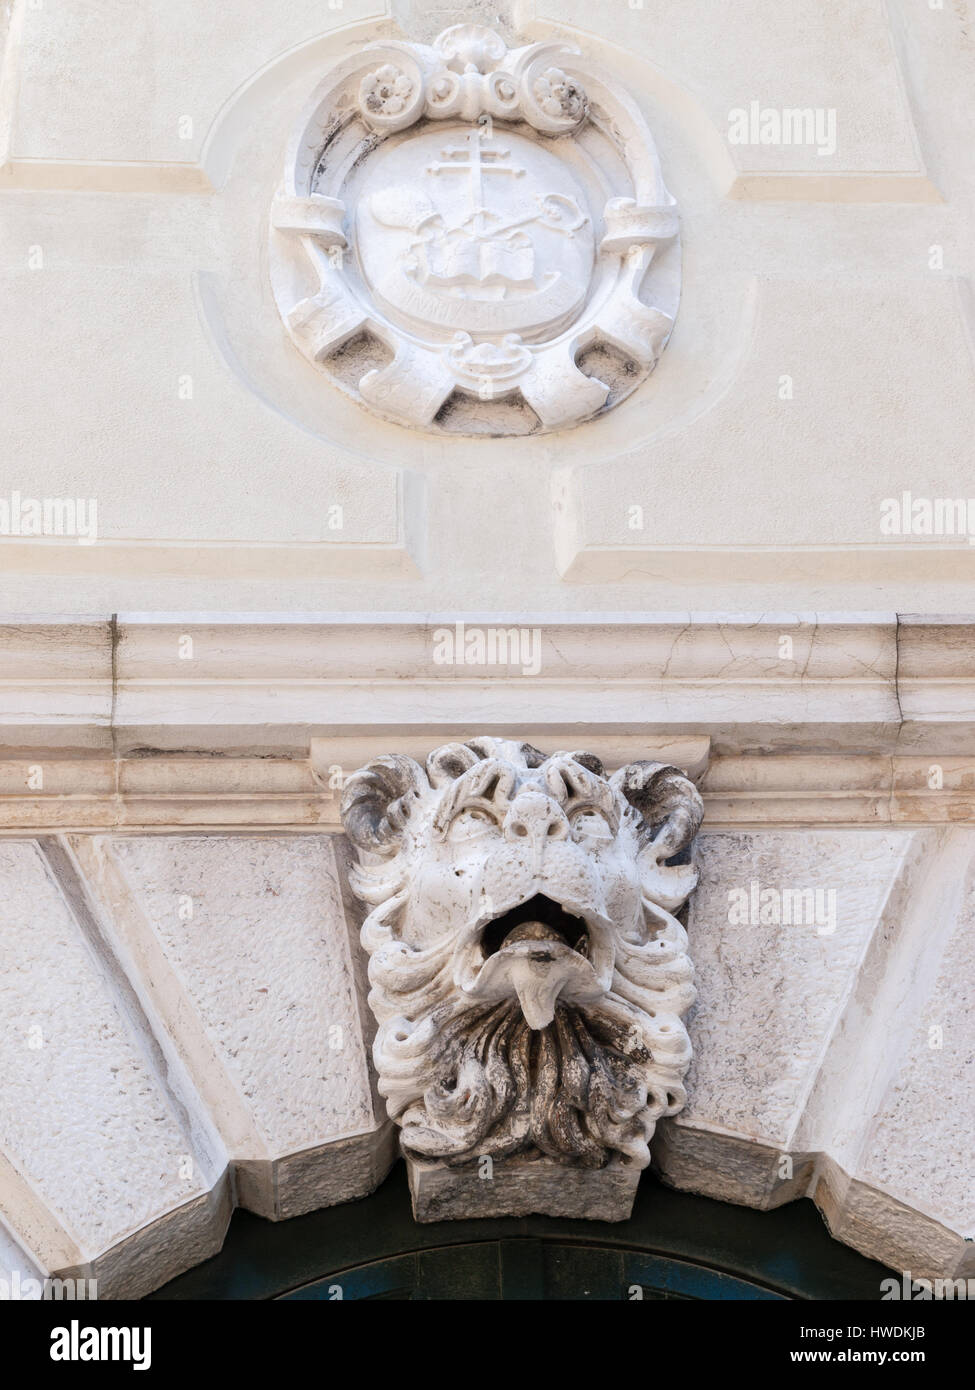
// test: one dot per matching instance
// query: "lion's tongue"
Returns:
(533, 931)
(537, 978)
(537, 988)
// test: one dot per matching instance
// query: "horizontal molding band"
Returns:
(104, 176)
(209, 721)
(873, 683)
(173, 791)
(800, 186)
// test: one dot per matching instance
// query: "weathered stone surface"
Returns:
(192, 1007)
(246, 940)
(88, 1123)
(916, 1145)
(520, 1187)
(339, 1171)
(770, 992)
(254, 931)
(834, 1077)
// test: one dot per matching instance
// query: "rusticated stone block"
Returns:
(522, 1187)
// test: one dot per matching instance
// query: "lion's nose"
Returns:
(536, 818)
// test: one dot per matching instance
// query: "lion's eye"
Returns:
(466, 824)
(591, 825)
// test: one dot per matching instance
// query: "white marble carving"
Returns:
(527, 973)
(482, 218)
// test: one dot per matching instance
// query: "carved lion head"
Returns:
(527, 974)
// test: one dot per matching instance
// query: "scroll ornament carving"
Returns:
(527, 972)
(488, 218)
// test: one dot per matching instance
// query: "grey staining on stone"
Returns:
(384, 94)
(527, 973)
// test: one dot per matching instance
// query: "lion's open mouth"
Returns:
(539, 952)
(539, 920)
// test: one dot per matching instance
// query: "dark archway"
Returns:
(675, 1246)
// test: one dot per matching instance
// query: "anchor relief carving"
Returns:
(487, 216)
(527, 972)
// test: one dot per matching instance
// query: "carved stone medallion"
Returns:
(476, 238)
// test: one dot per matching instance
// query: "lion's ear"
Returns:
(672, 810)
(378, 800)
(452, 760)
(590, 762)
(668, 802)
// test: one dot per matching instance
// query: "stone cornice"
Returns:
(144, 720)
